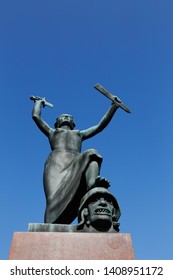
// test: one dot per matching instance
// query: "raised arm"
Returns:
(90, 132)
(36, 115)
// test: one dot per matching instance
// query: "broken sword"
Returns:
(111, 97)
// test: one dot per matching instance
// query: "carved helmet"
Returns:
(92, 195)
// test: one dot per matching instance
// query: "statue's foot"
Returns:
(101, 182)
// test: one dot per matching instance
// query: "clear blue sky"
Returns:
(61, 49)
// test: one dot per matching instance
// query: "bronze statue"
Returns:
(98, 211)
(68, 173)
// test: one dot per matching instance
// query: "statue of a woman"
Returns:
(68, 173)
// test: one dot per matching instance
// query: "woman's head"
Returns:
(64, 119)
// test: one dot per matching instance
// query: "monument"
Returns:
(74, 188)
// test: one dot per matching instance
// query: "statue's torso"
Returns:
(66, 139)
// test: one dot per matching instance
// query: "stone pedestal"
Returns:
(71, 246)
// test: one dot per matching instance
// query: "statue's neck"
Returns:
(66, 127)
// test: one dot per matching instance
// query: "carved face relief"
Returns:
(100, 213)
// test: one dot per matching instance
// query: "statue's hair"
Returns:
(58, 121)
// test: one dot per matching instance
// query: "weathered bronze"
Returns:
(114, 99)
(44, 102)
(68, 173)
(99, 210)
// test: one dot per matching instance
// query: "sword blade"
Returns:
(48, 104)
(111, 97)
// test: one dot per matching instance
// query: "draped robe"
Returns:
(63, 178)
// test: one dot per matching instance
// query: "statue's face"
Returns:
(65, 119)
(100, 213)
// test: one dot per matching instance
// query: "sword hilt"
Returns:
(43, 99)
